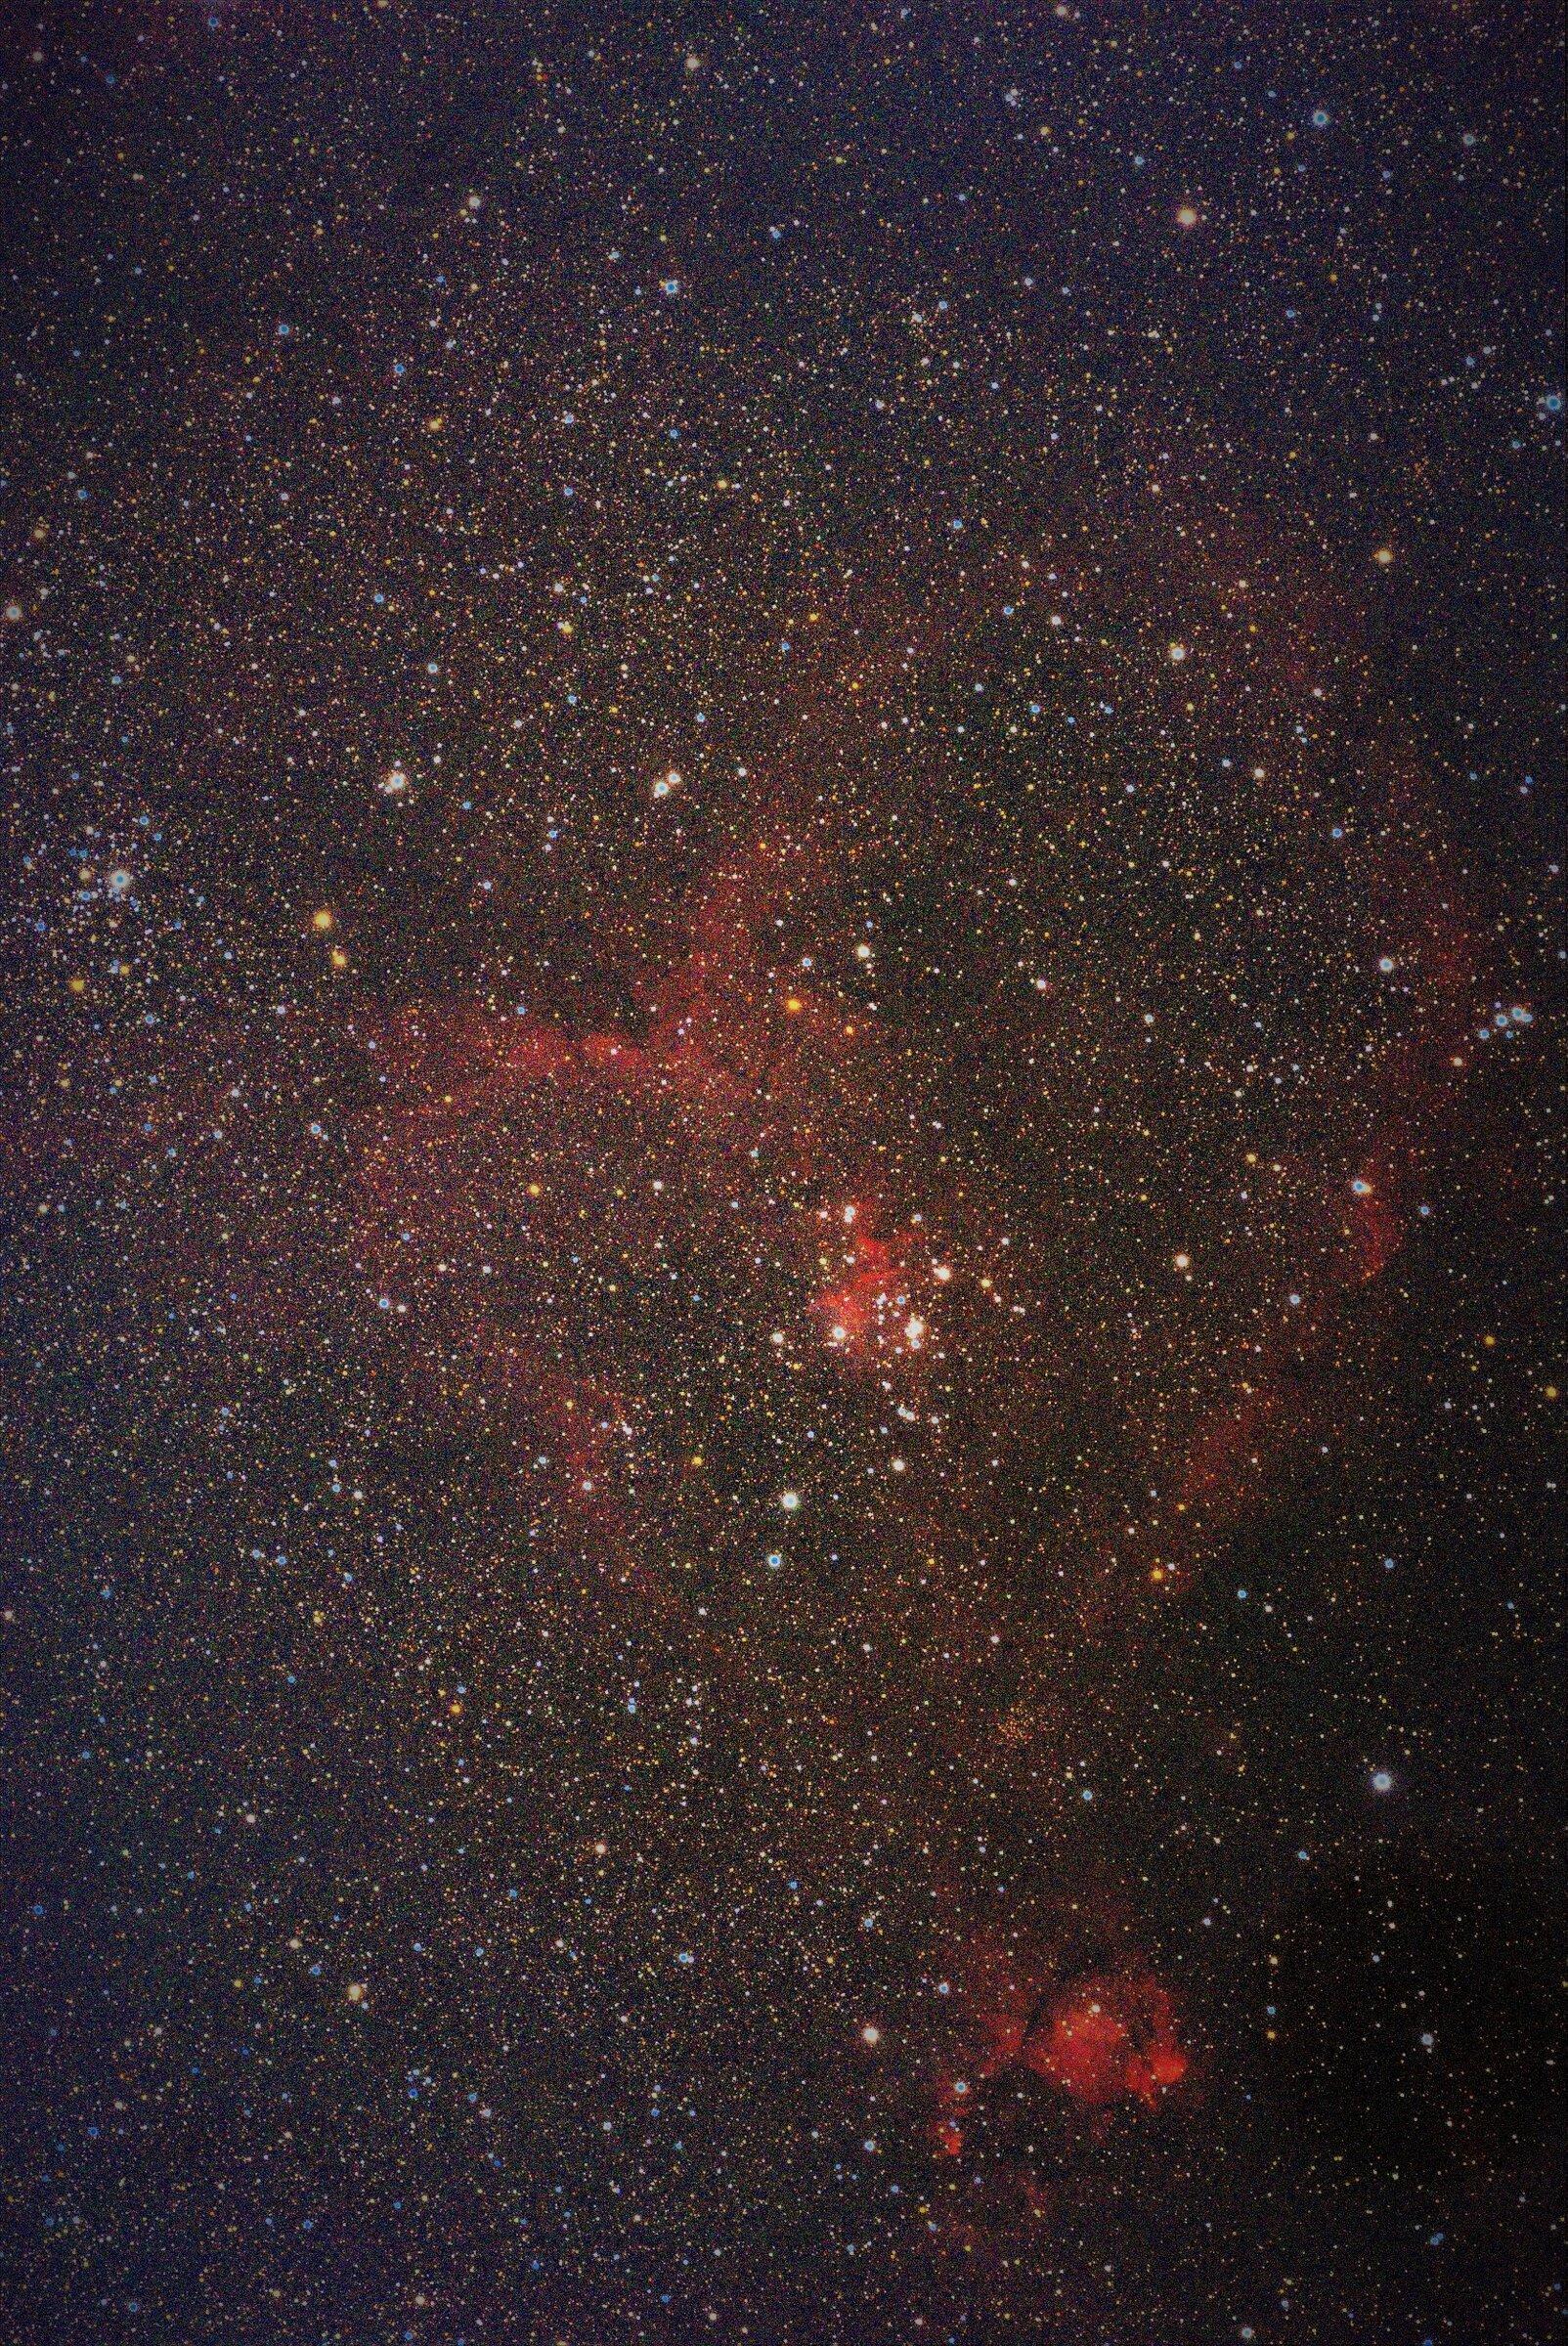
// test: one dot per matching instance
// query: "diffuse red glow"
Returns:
(876, 1303)
(1107, 2040)
(1104, 2038)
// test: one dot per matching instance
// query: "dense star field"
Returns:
(783, 809)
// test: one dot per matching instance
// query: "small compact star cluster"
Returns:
(778, 1174)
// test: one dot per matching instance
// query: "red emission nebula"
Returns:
(547, 1218)
(783, 801)
(737, 1253)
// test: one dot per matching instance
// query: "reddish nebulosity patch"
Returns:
(1350, 1208)
(1101, 2037)
(759, 1099)
(1227, 1446)
(870, 1285)
(1050, 2038)
(1374, 1231)
(880, 1303)
(515, 1176)
(1107, 2040)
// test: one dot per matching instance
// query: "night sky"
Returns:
(781, 957)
